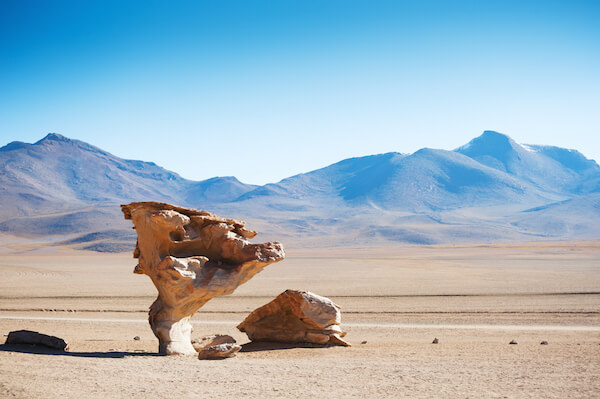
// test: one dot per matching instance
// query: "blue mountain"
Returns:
(550, 168)
(490, 189)
(491, 170)
(58, 173)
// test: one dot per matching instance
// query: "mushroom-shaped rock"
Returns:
(296, 317)
(191, 256)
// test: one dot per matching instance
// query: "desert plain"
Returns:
(395, 301)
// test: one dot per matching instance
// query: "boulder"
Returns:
(26, 337)
(296, 317)
(191, 256)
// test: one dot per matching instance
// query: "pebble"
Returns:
(513, 342)
(435, 341)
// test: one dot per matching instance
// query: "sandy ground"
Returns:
(394, 302)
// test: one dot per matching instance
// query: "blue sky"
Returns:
(266, 89)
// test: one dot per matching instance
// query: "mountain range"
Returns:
(66, 192)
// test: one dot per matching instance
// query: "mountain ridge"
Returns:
(479, 191)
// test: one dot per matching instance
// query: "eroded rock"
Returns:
(212, 340)
(296, 317)
(216, 352)
(214, 347)
(191, 256)
(26, 337)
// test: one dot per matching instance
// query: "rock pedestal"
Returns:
(191, 256)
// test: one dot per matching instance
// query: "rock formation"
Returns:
(216, 347)
(296, 317)
(212, 340)
(26, 337)
(191, 256)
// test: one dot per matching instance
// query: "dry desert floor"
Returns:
(395, 301)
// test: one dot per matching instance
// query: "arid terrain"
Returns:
(395, 301)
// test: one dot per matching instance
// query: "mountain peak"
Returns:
(494, 134)
(14, 145)
(55, 139)
(50, 137)
(223, 178)
(488, 139)
(494, 149)
(489, 143)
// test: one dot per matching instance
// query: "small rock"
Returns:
(222, 351)
(26, 337)
(363, 343)
(136, 338)
(544, 343)
(212, 340)
(513, 342)
(435, 341)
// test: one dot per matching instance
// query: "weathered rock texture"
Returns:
(216, 347)
(212, 340)
(295, 317)
(26, 337)
(191, 256)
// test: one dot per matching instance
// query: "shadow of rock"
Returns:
(41, 350)
(273, 346)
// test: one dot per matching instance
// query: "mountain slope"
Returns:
(58, 173)
(550, 168)
(347, 178)
(575, 218)
(67, 192)
(60, 170)
(216, 189)
(425, 180)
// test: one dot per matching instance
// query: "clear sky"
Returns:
(266, 89)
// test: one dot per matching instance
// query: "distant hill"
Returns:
(217, 189)
(490, 189)
(58, 173)
(427, 180)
